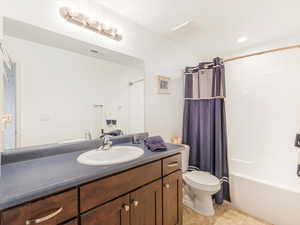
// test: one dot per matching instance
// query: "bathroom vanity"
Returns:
(44, 181)
(147, 189)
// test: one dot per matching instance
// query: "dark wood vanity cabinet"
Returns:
(141, 207)
(150, 194)
(103, 190)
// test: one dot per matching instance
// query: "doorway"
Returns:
(10, 106)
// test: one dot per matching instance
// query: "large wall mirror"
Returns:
(60, 89)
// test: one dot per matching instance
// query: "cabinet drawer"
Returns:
(171, 164)
(48, 211)
(101, 191)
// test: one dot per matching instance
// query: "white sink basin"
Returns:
(115, 155)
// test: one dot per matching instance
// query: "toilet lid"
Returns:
(200, 177)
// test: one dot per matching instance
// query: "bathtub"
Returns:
(276, 204)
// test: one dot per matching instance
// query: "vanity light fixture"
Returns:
(94, 25)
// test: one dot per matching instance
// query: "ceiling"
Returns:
(215, 25)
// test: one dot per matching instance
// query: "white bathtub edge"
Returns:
(268, 202)
(285, 188)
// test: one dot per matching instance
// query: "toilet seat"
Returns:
(202, 180)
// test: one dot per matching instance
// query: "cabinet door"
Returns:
(172, 199)
(146, 205)
(113, 213)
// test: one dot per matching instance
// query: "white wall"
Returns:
(136, 106)
(58, 89)
(161, 56)
(263, 115)
(263, 111)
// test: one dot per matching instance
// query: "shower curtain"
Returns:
(204, 122)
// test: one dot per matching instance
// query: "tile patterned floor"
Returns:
(224, 216)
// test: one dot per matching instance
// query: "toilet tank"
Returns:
(185, 153)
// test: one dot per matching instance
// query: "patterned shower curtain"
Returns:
(204, 122)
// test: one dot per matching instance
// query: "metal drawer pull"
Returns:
(173, 164)
(45, 218)
(167, 185)
(126, 207)
(135, 203)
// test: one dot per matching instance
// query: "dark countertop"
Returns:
(24, 181)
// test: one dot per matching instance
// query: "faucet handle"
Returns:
(106, 138)
(105, 142)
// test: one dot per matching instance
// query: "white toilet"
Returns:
(198, 187)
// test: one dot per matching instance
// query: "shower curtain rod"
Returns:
(245, 56)
(261, 53)
(134, 82)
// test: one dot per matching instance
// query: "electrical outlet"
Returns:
(297, 142)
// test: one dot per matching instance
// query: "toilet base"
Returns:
(201, 204)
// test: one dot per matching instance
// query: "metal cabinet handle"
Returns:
(126, 207)
(173, 164)
(135, 203)
(167, 185)
(45, 218)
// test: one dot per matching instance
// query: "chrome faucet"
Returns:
(106, 145)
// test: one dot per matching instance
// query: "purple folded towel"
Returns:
(155, 144)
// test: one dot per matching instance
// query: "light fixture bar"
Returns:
(93, 25)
